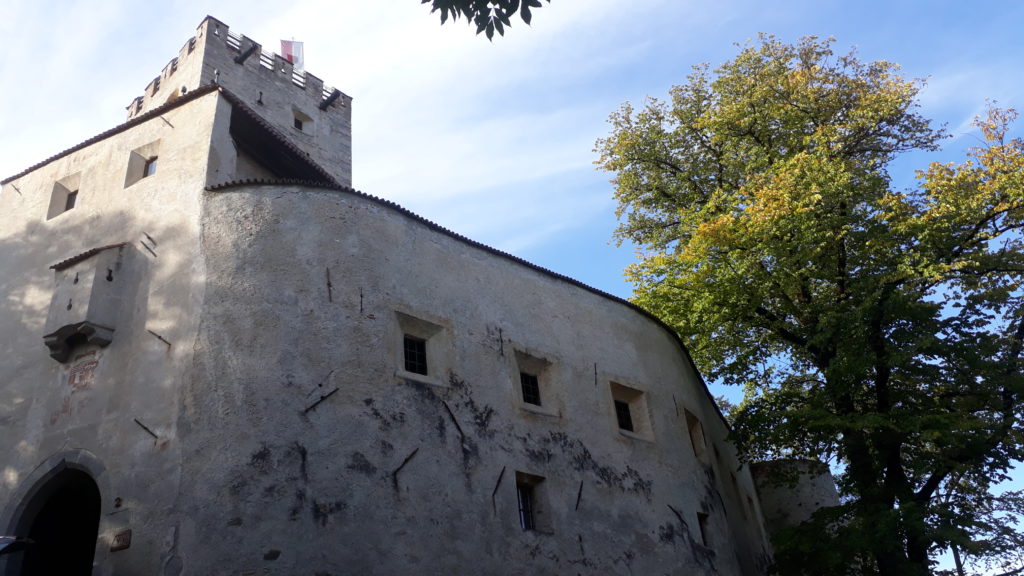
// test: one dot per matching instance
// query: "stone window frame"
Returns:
(64, 195)
(301, 121)
(435, 333)
(698, 439)
(533, 506)
(529, 362)
(637, 399)
(142, 163)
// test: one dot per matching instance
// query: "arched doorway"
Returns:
(63, 519)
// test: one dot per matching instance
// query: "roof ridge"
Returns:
(188, 97)
(229, 185)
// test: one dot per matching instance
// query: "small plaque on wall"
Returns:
(122, 540)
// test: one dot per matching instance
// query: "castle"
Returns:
(220, 359)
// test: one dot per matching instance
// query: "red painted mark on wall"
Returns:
(81, 376)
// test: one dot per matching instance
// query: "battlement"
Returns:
(214, 38)
(314, 117)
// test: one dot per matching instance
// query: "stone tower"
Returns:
(315, 118)
(218, 358)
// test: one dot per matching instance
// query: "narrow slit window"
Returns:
(697, 440)
(70, 201)
(415, 355)
(623, 415)
(531, 388)
(702, 521)
(525, 496)
(297, 123)
(150, 168)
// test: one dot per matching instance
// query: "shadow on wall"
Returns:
(152, 258)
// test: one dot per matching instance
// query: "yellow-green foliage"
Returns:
(876, 327)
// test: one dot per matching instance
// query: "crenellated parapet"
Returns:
(315, 117)
(217, 39)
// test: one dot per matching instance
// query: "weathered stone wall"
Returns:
(792, 490)
(310, 447)
(252, 413)
(95, 409)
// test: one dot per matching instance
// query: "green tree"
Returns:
(487, 15)
(879, 329)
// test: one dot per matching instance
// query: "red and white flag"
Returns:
(292, 52)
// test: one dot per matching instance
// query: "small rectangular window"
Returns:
(702, 521)
(631, 412)
(535, 391)
(623, 415)
(141, 163)
(532, 503)
(422, 349)
(531, 388)
(415, 355)
(301, 121)
(64, 195)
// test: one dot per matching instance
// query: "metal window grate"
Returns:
(531, 388)
(415, 355)
(623, 415)
(524, 493)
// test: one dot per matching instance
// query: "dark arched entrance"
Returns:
(63, 519)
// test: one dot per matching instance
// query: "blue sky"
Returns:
(492, 140)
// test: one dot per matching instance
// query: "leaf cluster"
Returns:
(878, 328)
(487, 15)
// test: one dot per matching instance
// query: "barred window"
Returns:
(415, 355)
(531, 388)
(623, 415)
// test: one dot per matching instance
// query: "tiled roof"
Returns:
(239, 105)
(228, 186)
(64, 264)
(194, 94)
(198, 92)
(330, 184)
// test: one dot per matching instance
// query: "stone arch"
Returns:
(59, 503)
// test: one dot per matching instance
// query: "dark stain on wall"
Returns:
(324, 511)
(300, 451)
(260, 459)
(298, 504)
(582, 460)
(358, 462)
(667, 533)
(385, 421)
(463, 396)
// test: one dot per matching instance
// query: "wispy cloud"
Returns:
(492, 139)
